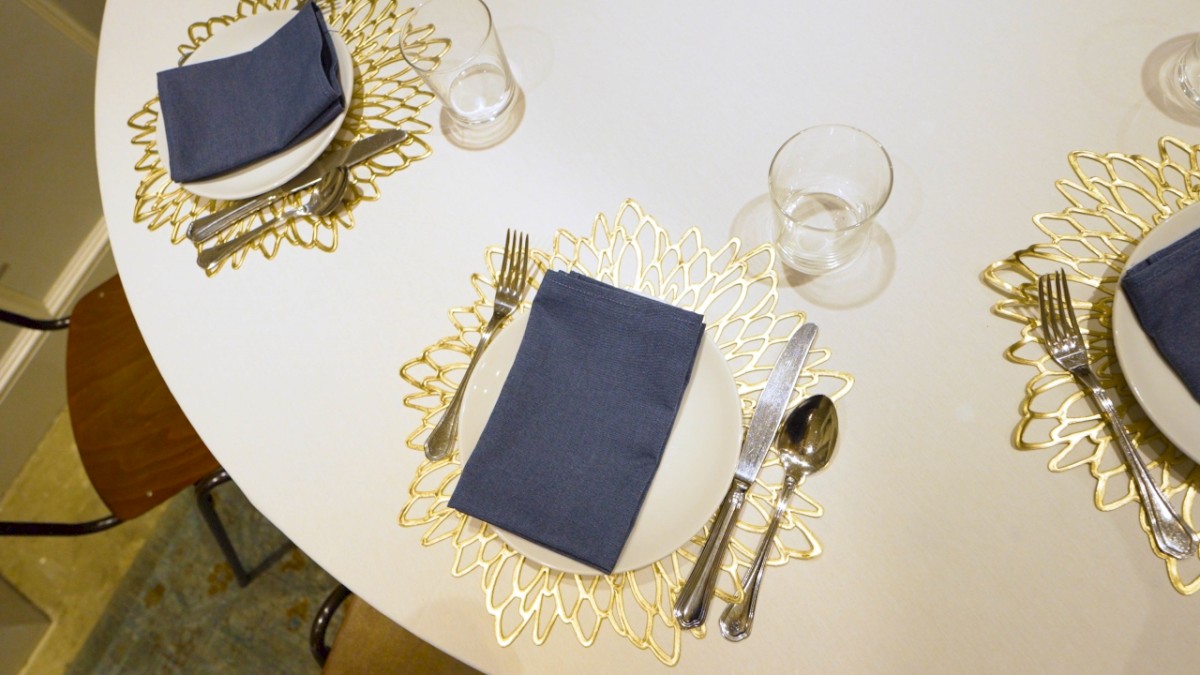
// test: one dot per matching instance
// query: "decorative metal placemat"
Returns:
(387, 95)
(737, 292)
(1115, 199)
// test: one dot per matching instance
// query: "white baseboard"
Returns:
(66, 288)
(22, 626)
(33, 390)
(57, 302)
(66, 24)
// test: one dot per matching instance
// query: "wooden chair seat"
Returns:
(134, 441)
(137, 446)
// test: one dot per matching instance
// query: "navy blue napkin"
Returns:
(1163, 290)
(581, 422)
(222, 115)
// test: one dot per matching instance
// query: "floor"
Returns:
(71, 579)
(78, 581)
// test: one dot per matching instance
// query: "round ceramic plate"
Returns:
(695, 471)
(270, 172)
(1155, 385)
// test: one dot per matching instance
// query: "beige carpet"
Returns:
(71, 579)
(179, 609)
(155, 594)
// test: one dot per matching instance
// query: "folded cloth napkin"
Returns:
(582, 420)
(1162, 289)
(224, 114)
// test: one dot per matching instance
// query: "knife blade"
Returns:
(691, 607)
(207, 227)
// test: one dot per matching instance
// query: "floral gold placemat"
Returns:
(737, 293)
(1114, 200)
(387, 95)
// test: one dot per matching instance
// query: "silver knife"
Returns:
(691, 607)
(203, 229)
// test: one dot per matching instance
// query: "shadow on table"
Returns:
(1158, 81)
(484, 136)
(852, 286)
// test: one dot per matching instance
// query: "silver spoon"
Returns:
(324, 200)
(805, 442)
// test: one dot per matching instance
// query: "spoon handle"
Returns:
(738, 618)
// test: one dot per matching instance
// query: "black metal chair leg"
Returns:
(22, 529)
(204, 500)
(316, 636)
(36, 324)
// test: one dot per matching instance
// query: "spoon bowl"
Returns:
(808, 436)
(805, 442)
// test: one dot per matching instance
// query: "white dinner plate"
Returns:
(694, 474)
(1155, 385)
(270, 172)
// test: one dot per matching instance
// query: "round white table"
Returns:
(944, 548)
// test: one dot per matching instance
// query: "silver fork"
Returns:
(1064, 341)
(324, 200)
(510, 285)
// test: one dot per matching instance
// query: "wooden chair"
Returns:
(135, 443)
(369, 642)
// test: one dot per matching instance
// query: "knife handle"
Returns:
(207, 227)
(691, 607)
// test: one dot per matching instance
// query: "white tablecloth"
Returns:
(945, 549)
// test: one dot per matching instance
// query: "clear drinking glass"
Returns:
(827, 183)
(453, 46)
(1187, 73)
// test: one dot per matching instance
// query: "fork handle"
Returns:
(211, 257)
(738, 618)
(206, 227)
(441, 440)
(1170, 534)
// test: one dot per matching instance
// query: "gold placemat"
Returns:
(737, 292)
(387, 95)
(1115, 199)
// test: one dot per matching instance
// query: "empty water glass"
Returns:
(827, 183)
(453, 46)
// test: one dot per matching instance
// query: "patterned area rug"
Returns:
(179, 608)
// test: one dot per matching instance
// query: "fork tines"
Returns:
(1058, 315)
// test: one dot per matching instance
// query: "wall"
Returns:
(52, 235)
(53, 243)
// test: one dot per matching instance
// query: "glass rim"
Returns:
(887, 158)
(491, 30)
